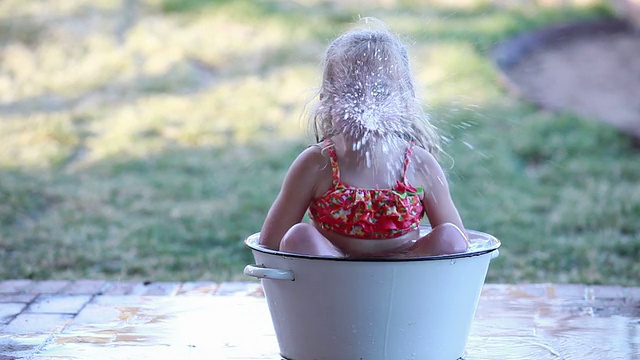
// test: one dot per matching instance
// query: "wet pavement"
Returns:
(90, 319)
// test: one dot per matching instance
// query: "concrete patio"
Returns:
(90, 319)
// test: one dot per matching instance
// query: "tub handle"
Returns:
(495, 253)
(259, 271)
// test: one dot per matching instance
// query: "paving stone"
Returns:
(529, 290)
(59, 304)
(567, 291)
(176, 327)
(17, 298)
(119, 300)
(84, 287)
(9, 311)
(490, 291)
(48, 287)
(589, 294)
(14, 286)
(30, 323)
(139, 310)
(632, 294)
(197, 288)
(238, 288)
(142, 288)
(102, 312)
(120, 288)
(159, 288)
(607, 292)
(20, 347)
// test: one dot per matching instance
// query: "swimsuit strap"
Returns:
(407, 159)
(333, 156)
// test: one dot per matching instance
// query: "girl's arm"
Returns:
(298, 189)
(437, 198)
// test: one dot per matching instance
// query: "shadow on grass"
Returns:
(180, 214)
(564, 205)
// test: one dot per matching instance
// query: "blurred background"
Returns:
(145, 139)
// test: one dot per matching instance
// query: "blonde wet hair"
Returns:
(367, 91)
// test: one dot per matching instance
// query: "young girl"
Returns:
(373, 177)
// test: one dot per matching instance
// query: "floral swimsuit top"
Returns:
(368, 213)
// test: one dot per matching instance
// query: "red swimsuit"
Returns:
(368, 213)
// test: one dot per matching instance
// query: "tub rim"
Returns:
(252, 243)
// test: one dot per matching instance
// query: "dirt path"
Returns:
(595, 74)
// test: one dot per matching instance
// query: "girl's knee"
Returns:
(303, 238)
(292, 239)
(303, 228)
(449, 230)
(450, 238)
(299, 232)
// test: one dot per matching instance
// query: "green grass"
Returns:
(150, 145)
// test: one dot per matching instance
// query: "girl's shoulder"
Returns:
(314, 158)
(313, 168)
(426, 167)
(423, 157)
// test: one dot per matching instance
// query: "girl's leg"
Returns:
(305, 239)
(443, 239)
